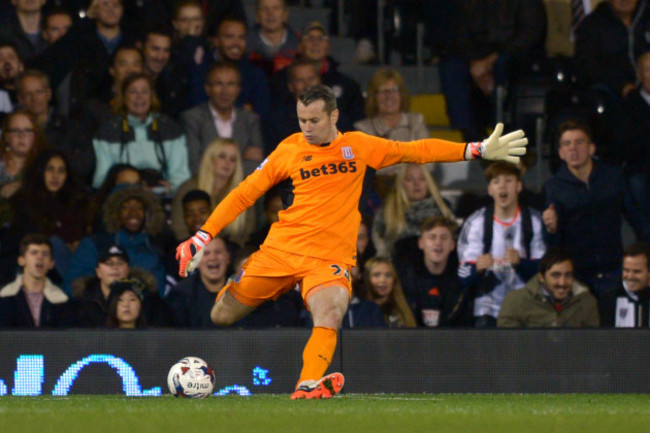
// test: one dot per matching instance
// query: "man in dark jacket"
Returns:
(315, 46)
(32, 301)
(586, 199)
(608, 42)
(430, 280)
(627, 303)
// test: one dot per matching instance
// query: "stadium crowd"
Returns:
(125, 123)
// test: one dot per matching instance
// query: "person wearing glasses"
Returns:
(19, 144)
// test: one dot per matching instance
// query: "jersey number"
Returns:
(338, 271)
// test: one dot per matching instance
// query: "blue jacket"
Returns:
(589, 216)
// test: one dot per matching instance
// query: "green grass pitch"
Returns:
(548, 413)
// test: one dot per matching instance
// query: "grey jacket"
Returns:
(201, 130)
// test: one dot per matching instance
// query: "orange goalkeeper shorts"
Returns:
(269, 273)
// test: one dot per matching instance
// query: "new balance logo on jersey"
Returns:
(306, 158)
(327, 169)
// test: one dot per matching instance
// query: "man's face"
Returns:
(302, 78)
(132, 215)
(316, 125)
(415, 183)
(34, 95)
(189, 22)
(113, 269)
(55, 27)
(26, 6)
(223, 87)
(635, 272)
(576, 149)
(558, 279)
(214, 265)
(156, 52)
(37, 261)
(196, 213)
(231, 40)
(504, 190)
(108, 12)
(127, 61)
(10, 64)
(437, 244)
(271, 15)
(643, 71)
(314, 45)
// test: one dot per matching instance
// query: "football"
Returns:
(191, 377)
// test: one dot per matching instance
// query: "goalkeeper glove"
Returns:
(189, 253)
(500, 148)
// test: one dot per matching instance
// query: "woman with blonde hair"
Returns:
(384, 289)
(413, 198)
(220, 171)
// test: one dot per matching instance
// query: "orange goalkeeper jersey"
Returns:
(324, 219)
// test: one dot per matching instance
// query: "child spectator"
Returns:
(385, 290)
(500, 244)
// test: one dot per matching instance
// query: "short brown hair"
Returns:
(33, 239)
(499, 168)
(319, 92)
(439, 221)
(638, 249)
(572, 124)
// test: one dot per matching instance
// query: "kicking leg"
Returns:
(328, 306)
(227, 310)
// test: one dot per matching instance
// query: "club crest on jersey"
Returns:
(347, 152)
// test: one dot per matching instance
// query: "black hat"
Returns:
(133, 284)
(112, 251)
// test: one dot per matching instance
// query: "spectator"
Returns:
(585, 199)
(363, 314)
(272, 206)
(634, 136)
(492, 38)
(51, 202)
(272, 43)
(134, 220)
(220, 172)
(315, 46)
(21, 143)
(627, 303)
(192, 299)
(551, 299)
(384, 289)
(283, 120)
(11, 65)
(607, 43)
(435, 293)
(142, 136)
(56, 24)
(125, 309)
(219, 118)
(32, 301)
(23, 27)
(188, 19)
(197, 206)
(413, 198)
(69, 136)
(170, 75)
(387, 109)
(92, 293)
(78, 63)
(97, 111)
(229, 41)
(500, 245)
(365, 251)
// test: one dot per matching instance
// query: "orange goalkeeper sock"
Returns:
(318, 353)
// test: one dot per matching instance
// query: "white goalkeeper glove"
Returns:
(499, 148)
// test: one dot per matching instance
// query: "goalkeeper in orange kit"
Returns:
(313, 243)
